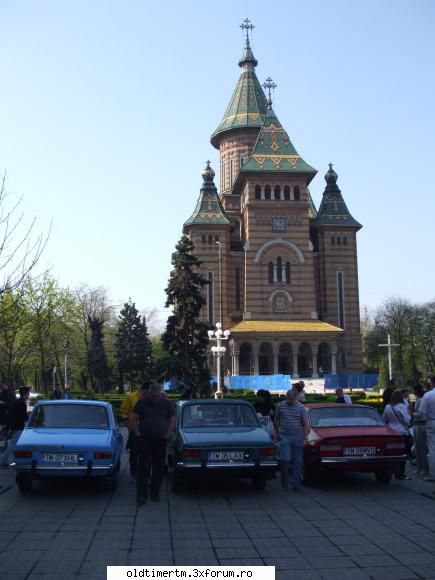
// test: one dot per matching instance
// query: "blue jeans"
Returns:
(291, 450)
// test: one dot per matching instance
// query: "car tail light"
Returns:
(330, 447)
(23, 454)
(395, 445)
(103, 455)
(268, 451)
(190, 452)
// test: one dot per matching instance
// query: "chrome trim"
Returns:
(226, 465)
(363, 459)
(83, 468)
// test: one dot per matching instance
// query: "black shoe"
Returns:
(141, 499)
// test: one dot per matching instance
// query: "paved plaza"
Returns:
(344, 528)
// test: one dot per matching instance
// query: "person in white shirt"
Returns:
(397, 417)
(427, 412)
(341, 397)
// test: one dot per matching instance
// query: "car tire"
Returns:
(383, 476)
(178, 482)
(259, 483)
(24, 484)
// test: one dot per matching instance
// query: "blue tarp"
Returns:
(354, 381)
(254, 383)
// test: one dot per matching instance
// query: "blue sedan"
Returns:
(69, 439)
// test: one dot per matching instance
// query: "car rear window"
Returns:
(345, 416)
(70, 416)
(218, 415)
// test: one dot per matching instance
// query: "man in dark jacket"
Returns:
(17, 420)
(152, 421)
(7, 399)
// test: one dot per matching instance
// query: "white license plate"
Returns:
(60, 457)
(359, 450)
(225, 456)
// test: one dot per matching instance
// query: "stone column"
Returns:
(334, 351)
(234, 358)
(314, 351)
(275, 358)
(275, 272)
(255, 355)
(295, 350)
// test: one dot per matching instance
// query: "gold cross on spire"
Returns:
(247, 25)
(270, 86)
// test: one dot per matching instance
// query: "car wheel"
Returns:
(178, 482)
(24, 484)
(383, 476)
(259, 483)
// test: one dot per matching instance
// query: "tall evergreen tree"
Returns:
(97, 360)
(133, 347)
(186, 336)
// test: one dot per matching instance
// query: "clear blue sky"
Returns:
(106, 110)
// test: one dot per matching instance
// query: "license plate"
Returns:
(60, 457)
(225, 456)
(359, 451)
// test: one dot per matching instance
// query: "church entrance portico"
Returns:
(301, 354)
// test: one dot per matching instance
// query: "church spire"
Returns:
(248, 104)
(333, 210)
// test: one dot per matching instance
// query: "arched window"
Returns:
(258, 192)
(204, 239)
(216, 238)
(344, 241)
(267, 192)
(286, 192)
(297, 192)
(332, 241)
(270, 266)
(210, 239)
(279, 268)
(338, 241)
(277, 191)
(287, 272)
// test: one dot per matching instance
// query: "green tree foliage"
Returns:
(97, 361)
(186, 336)
(133, 347)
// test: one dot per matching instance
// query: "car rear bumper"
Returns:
(40, 471)
(365, 460)
(245, 469)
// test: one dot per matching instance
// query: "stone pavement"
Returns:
(343, 528)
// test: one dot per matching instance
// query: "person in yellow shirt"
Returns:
(125, 413)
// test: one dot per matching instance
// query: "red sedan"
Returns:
(351, 438)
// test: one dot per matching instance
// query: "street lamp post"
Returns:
(66, 346)
(218, 351)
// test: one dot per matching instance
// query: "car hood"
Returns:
(65, 438)
(381, 431)
(219, 437)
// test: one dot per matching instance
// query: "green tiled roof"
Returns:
(248, 105)
(333, 211)
(274, 151)
(208, 209)
(311, 205)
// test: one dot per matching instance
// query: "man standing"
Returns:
(57, 393)
(17, 420)
(341, 397)
(153, 421)
(7, 399)
(126, 409)
(427, 411)
(291, 428)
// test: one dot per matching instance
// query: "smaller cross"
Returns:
(270, 86)
(247, 25)
(208, 164)
(330, 166)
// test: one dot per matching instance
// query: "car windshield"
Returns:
(70, 416)
(344, 416)
(218, 415)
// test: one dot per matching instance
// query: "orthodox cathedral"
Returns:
(283, 275)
